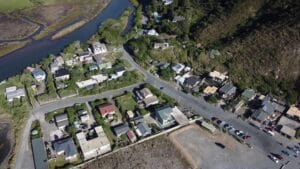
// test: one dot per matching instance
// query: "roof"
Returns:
(164, 112)
(210, 90)
(208, 126)
(131, 135)
(61, 72)
(143, 129)
(10, 89)
(86, 53)
(15, 94)
(121, 129)
(61, 117)
(288, 131)
(268, 107)
(284, 121)
(67, 146)
(99, 78)
(178, 67)
(293, 111)
(151, 101)
(38, 72)
(39, 154)
(119, 69)
(278, 107)
(86, 83)
(145, 92)
(248, 94)
(227, 88)
(98, 142)
(216, 74)
(191, 81)
(106, 109)
(260, 115)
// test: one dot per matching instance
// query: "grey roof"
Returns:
(39, 154)
(66, 145)
(268, 107)
(15, 94)
(86, 53)
(248, 94)
(228, 89)
(288, 131)
(164, 112)
(119, 69)
(62, 123)
(121, 129)
(61, 117)
(260, 115)
(191, 81)
(38, 72)
(278, 107)
(144, 129)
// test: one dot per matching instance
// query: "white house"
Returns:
(100, 78)
(39, 74)
(167, 2)
(99, 48)
(93, 146)
(177, 68)
(14, 93)
(152, 32)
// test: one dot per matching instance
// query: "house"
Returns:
(131, 136)
(162, 46)
(85, 57)
(164, 116)
(99, 78)
(121, 129)
(177, 68)
(210, 90)
(84, 116)
(181, 79)
(248, 94)
(57, 63)
(119, 71)
(138, 118)
(143, 130)
(62, 74)
(192, 82)
(67, 148)
(39, 74)
(167, 2)
(130, 114)
(86, 83)
(107, 109)
(147, 97)
(61, 121)
(227, 91)
(105, 65)
(217, 76)
(93, 143)
(293, 112)
(93, 67)
(99, 48)
(288, 127)
(12, 93)
(213, 53)
(208, 126)
(39, 154)
(152, 32)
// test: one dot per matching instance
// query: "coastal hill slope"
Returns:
(258, 40)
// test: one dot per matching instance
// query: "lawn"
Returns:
(126, 102)
(7, 6)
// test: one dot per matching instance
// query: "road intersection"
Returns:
(262, 143)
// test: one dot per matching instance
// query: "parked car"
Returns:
(277, 156)
(273, 158)
(286, 153)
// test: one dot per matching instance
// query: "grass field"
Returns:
(7, 6)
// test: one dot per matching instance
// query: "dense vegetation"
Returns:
(258, 41)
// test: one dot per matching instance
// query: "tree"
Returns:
(212, 99)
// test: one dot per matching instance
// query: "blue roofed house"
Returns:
(143, 130)
(164, 116)
(121, 129)
(67, 148)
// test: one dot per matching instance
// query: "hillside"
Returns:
(258, 40)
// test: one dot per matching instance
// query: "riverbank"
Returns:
(53, 18)
(6, 141)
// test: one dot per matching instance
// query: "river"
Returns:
(15, 62)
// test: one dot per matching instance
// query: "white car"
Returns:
(273, 158)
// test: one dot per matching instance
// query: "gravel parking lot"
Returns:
(200, 148)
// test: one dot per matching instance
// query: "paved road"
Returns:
(262, 142)
(24, 156)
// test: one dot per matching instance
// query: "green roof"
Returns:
(164, 112)
(248, 94)
(39, 154)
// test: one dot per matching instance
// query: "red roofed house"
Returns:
(106, 109)
(131, 136)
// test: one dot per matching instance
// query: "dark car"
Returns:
(220, 145)
(277, 156)
(214, 119)
(285, 152)
(219, 121)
